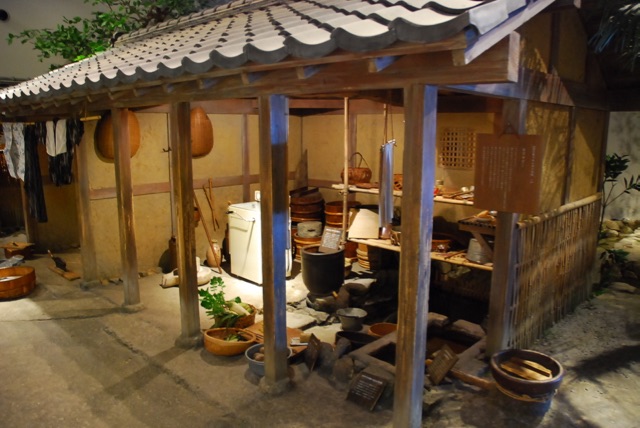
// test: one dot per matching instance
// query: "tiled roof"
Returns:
(266, 32)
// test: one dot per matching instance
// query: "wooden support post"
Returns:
(182, 180)
(128, 251)
(415, 261)
(83, 189)
(504, 254)
(246, 160)
(274, 121)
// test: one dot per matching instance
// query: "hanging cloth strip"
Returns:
(14, 149)
(67, 134)
(33, 135)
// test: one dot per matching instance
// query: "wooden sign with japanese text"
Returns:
(508, 173)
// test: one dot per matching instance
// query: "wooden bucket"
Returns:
(333, 212)
(303, 242)
(16, 281)
(104, 136)
(307, 204)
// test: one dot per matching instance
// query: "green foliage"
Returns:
(217, 306)
(77, 38)
(615, 165)
(618, 30)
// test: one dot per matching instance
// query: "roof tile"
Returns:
(266, 31)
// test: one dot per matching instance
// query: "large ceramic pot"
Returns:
(322, 273)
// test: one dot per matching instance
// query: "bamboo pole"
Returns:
(345, 192)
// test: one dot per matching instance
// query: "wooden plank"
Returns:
(87, 242)
(66, 274)
(274, 207)
(503, 277)
(181, 160)
(415, 263)
(128, 250)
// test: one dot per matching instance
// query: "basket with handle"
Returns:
(357, 174)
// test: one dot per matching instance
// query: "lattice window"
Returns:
(457, 148)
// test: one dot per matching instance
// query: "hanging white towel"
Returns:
(61, 136)
(51, 138)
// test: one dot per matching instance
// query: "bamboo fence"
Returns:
(555, 259)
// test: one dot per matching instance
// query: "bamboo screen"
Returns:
(555, 258)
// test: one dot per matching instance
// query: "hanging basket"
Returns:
(358, 174)
(104, 136)
(201, 133)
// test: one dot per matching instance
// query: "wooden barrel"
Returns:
(104, 136)
(368, 257)
(16, 281)
(303, 242)
(333, 212)
(306, 205)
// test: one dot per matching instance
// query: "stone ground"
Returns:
(70, 355)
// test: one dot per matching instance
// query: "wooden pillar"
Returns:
(83, 188)
(274, 122)
(182, 180)
(418, 169)
(246, 160)
(503, 279)
(124, 190)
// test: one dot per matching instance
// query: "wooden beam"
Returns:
(570, 155)
(415, 261)
(503, 278)
(378, 64)
(274, 122)
(30, 223)
(508, 27)
(541, 87)
(128, 250)
(306, 72)
(87, 242)
(182, 180)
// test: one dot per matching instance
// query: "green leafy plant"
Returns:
(618, 30)
(615, 165)
(77, 38)
(225, 313)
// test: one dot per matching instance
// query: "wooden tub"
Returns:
(16, 281)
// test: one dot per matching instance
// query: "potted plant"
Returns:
(225, 313)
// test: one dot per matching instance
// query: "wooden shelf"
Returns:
(355, 189)
(455, 258)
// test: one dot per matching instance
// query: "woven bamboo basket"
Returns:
(357, 174)
(214, 341)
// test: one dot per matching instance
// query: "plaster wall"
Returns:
(150, 165)
(623, 138)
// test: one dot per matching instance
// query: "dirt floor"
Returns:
(70, 355)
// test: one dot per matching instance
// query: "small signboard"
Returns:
(331, 238)
(367, 390)
(508, 173)
(312, 353)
